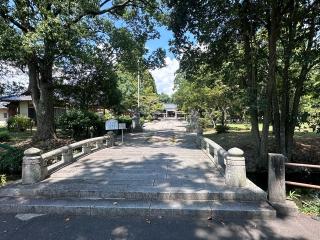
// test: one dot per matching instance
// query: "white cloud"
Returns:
(164, 77)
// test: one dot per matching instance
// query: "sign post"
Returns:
(113, 124)
(122, 126)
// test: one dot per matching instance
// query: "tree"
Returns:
(38, 33)
(165, 98)
(274, 44)
(205, 92)
(128, 86)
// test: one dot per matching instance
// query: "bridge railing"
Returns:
(36, 165)
(231, 163)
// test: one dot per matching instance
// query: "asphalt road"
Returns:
(83, 227)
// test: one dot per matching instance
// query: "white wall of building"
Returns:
(23, 107)
(3, 117)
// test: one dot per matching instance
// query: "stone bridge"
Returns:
(159, 172)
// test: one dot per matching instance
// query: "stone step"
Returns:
(133, 192)
(126, 208)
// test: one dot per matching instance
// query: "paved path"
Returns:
(57, 227)
(162, 156)
(162, 159)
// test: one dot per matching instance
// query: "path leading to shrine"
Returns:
(157, 172)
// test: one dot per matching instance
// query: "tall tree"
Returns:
(275, 44)
(36, 33)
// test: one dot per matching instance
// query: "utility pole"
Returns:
(138, 86)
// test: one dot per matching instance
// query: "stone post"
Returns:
(99, 144)
(208, 148)
(110, 140)
(199, 130)
(33, 167)
(67, 155)
(276, 178)
(86, 149)
(235, 168)
(136, 127)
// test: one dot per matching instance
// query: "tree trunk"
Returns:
(306, 66)
(223, 116)
(273, 38)
(40, 84)
(276, 119)
(251, 72)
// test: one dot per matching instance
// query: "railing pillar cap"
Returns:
(66, 148)
(235, 152)
(32, 152)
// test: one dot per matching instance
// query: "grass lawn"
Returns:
(17, 137)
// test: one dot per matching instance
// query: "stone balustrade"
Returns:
(36, 165)
(231, 163)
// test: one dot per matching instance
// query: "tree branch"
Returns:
(96, 13)
(103, 3)
(13, 21)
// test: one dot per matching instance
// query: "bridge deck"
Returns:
(163, 159)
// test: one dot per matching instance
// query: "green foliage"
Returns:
(236, 42)
(81, 124)
(84, 40)
(222, 129)
(308, 200)
(108, 115)
(19, 123)
(4, 136)
(3, 180)
(142, 121)
(149, 118)
(128, 86)
(311, 206)
(165, 98)
(10, 159)
(204, 122)
(125, 119)
(293, 195)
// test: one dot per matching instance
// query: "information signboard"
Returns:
(122, 126)
(112, 124)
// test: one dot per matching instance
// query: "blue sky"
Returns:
(164, 77)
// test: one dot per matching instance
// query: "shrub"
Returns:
(3, 180)
(222, 129)
(81, 124)
(149, 118)
(142, 121)
(108, 115)
(204, 122)
(19, 123)
(10, 159)
(125, 119)
(4, 137)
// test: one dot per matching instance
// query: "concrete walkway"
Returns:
(54, 227)
(164, 159)
(157, 172)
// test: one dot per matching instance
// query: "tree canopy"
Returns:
(43, 35)
(269, 48)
